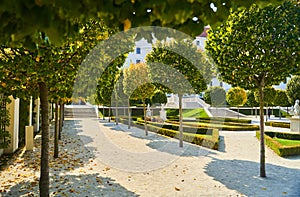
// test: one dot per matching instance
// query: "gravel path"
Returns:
(103, 159)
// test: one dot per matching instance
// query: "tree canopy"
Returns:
(21, 20)
(293, 89)
(215, 96)
(257, 48)
(236, 96)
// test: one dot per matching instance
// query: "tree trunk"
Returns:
(44, 171)
(109, 113)
(103, 112)
(262, 137)
(180, 122)
(279, 113)
(145, 118)
(129, 114)
(117, 114)
(56, 130)
(61, 118)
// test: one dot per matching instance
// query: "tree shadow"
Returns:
(222, 145)
(72, 185)
(163, 143)
(243, 176)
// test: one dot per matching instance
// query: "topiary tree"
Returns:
(269, 97)
(236, 97)
(257, 48)
(251, 102)
(293, 89)
(179, 67)
(281, 100)
(137, 85)
(215, 96)
(159, 97)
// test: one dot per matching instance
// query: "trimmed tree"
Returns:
(215, 96)
(260, 48)
(293, 89)
(159, 97)
(179, 67)
(281, 100)
(236, 97)
(137, 85)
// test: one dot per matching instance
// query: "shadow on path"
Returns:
(163, 143)
(243, 176)
(73, 185)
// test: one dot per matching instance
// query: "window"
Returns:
(198, 43)
(221, 84)
(137, 61)
(138, 50)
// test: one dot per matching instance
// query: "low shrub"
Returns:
(224, 126)
(283, 135)
(221, 119)
(278, 124)
(278, 148)
(207, 140)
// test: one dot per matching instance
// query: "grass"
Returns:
(286, 142)
(193, 113)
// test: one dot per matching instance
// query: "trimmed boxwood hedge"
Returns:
(283, 135)
(210, 141)
(278, 124)
(278, 148)
(220, 119)
(225, 127)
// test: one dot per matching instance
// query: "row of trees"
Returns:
(31, 41)
(237, 97)
(48, 71)
(173, 67)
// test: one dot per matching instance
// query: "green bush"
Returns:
(278, 124)
(277, 147)
(283, 135)
(217, 125)
(220, 119)
(209, 140)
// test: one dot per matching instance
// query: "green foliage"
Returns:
(137, 82)
(215, 96)
(293, 89)
(278, 124)
(281, 98)
(208, 138)
(179, 66)
(277, 147)
(251, 102)
(269, 96)
(283, 135)
(159, 97)
(257, 47)
(20, 20)
(4, 114)
(236, 96)
(227, 126)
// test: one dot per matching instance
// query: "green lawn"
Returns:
(194, 113)
(286, 142)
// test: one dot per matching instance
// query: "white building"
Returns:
(142, 48)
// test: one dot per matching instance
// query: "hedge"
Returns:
(220, 119)
(278, 148)
(283, 135)
(211, 141)
(278, 124)
(226, 127)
